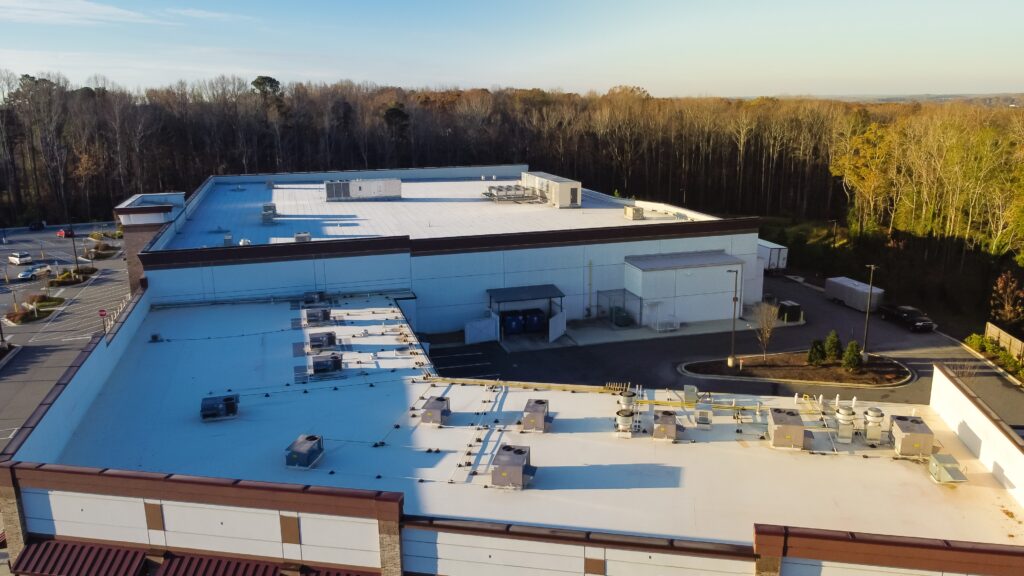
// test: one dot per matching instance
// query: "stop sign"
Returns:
(103, 313)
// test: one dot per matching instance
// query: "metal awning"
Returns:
(678, 260)
(188, 565)
(54, 558)
(523, 293)
(336, 572)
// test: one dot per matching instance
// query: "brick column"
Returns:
(136, 236)
(389, 530)
(769, 548)
(10, 510)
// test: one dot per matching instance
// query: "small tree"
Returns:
(1007, 301)
(851, 357)
(767, 316)
(833, 347)
(816, 355)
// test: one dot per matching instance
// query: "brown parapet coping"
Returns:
(53, 394)
(206, 490)
(891, 551)
(230, 255)
(144, 209)
(582, 537)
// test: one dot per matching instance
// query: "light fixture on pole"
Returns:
(867, 311)
(731, 361)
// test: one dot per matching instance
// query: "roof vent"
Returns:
(219, 407)
(633, 212)
(535, 416)
(512, 467)
(305, 452)
(325, 363)
(873, 425)
(269, 212)
(666, 427)
(436, 410)
(845, 421)
(302, 237)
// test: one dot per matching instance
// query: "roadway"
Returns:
(51, 344)
(652, 363)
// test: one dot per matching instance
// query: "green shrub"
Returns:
(96, 235)
(1008, 362)
(851, 357)
(992, 346)
(816, 355)
(833, 347)
(975, 342)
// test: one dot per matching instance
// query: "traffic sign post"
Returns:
(103, 318)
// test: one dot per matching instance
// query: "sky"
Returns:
(735, 48)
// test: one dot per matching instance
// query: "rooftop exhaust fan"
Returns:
(305, 452)
(219, 407)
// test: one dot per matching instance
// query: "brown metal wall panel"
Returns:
(594, 566)
(154, 515)
(290, 530)
(53, 558)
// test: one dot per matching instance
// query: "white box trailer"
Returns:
(853, 293)
(773, 256)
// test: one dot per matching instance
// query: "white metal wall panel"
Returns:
(630, 563)
(462, 554)
(634, 279)
(209, 520)
(84, 515)
(705, 280)
(803, 567)
(340, 532)
(225, 544)
(556, 326)
(448, 265)
(659, 284)
(543, 258)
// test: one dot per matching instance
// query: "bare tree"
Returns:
(766, 318)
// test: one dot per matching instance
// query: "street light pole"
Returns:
(867, 311)
(835, 230)
(731, 361)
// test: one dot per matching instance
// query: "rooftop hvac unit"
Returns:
(535, 416)
(666, 427)
(512, 467)
(314, 316)
(785, 428)
(845, 419)
(436, 410)
(945, 469)
(219, 407)
(305, 452)
(633, 212)
(303, 237)
(873, 425)
(325, 363)
(314, 297)
(358, 190)
(322, 340)
(910, 436)
(704, 416)
(269, 212)
(690, 393)
(229, 240)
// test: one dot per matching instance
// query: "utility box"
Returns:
(535, 416)
(790, 311)
(785, 428)
(314, 316)
(322, 340)
(704, 416)
(945, 469)
(436, 410)
(633, 212)
(219, 407)
(305, 452)
(325, 363)
(690, 393)
(911, 436)
(303, 237)
(512, 467)
(666, 427)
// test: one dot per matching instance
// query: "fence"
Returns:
(1012, 344)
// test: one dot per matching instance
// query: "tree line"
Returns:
(943, 170)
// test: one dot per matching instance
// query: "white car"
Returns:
(19, 258)
(35, 272)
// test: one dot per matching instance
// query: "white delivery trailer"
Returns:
(853, 293)
(773, 256)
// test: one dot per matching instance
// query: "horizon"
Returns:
(796, 49)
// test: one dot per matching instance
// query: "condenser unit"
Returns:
(535, 416)
(305, 452)
(666, 426)
(314, 316)
(325, 363)
(512, 467)
(219, 407)
(436, 410)
(323, 340)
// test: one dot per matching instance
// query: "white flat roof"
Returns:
(146, 417)
(428, 209)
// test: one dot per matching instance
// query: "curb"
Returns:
(998, 369)
(10, 356)
(911, 378)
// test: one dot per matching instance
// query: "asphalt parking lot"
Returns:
(51, 344)
(652, 363)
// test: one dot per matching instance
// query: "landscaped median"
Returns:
(37, 307)
(71, 277)
(877, 372)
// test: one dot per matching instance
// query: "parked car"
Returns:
(35, 272)
(66, 233)
(36, 226)
(912, 318)
(19, 258)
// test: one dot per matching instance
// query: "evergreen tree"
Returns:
(851, 357)
(833, 347)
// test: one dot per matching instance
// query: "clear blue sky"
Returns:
(670, 47)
